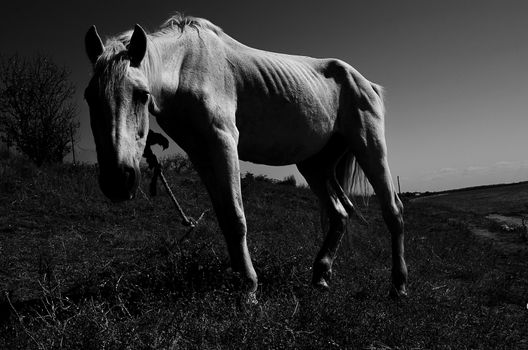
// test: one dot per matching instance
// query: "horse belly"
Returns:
(280, 133)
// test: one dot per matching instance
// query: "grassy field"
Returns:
(511, 199)
(77, 272)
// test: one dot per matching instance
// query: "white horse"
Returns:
(222, 101)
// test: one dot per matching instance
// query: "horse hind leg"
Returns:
(319, 172)
(371, 154)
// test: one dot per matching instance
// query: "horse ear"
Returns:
(138, 46)
(94, 44)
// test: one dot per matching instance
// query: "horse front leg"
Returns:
(219, 169)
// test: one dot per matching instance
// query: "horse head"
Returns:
(118, 96)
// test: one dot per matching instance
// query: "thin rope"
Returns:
(186, 220)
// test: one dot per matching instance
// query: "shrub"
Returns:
(178, 163)
(289, 181)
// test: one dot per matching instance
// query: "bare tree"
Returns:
(37, 113)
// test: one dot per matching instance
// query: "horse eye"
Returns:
(142, 96)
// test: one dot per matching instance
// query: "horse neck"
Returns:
(151, 69)
(168, 53)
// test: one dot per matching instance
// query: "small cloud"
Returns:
(440, 173)
(510, 164)
(447, 170)
(476, 168)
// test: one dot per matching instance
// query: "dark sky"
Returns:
(455, 72)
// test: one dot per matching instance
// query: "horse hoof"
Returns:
(321, 285)
(397, 293)
(249, 299)
(252, 298)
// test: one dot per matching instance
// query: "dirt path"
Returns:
(512, 221)
(510, 238)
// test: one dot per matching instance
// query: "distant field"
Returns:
(504, 199)
(77, 272)
(497, 213)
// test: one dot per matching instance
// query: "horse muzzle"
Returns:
(119, 183)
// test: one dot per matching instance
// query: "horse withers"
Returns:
(222, 101)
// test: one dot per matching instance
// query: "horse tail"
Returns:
(354, 183)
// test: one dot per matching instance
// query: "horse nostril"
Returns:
(119, 183)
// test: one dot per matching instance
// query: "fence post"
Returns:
(72, 144)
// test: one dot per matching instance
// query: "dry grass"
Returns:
(77, 272)
(506, 199)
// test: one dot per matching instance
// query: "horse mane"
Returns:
(179, 21)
